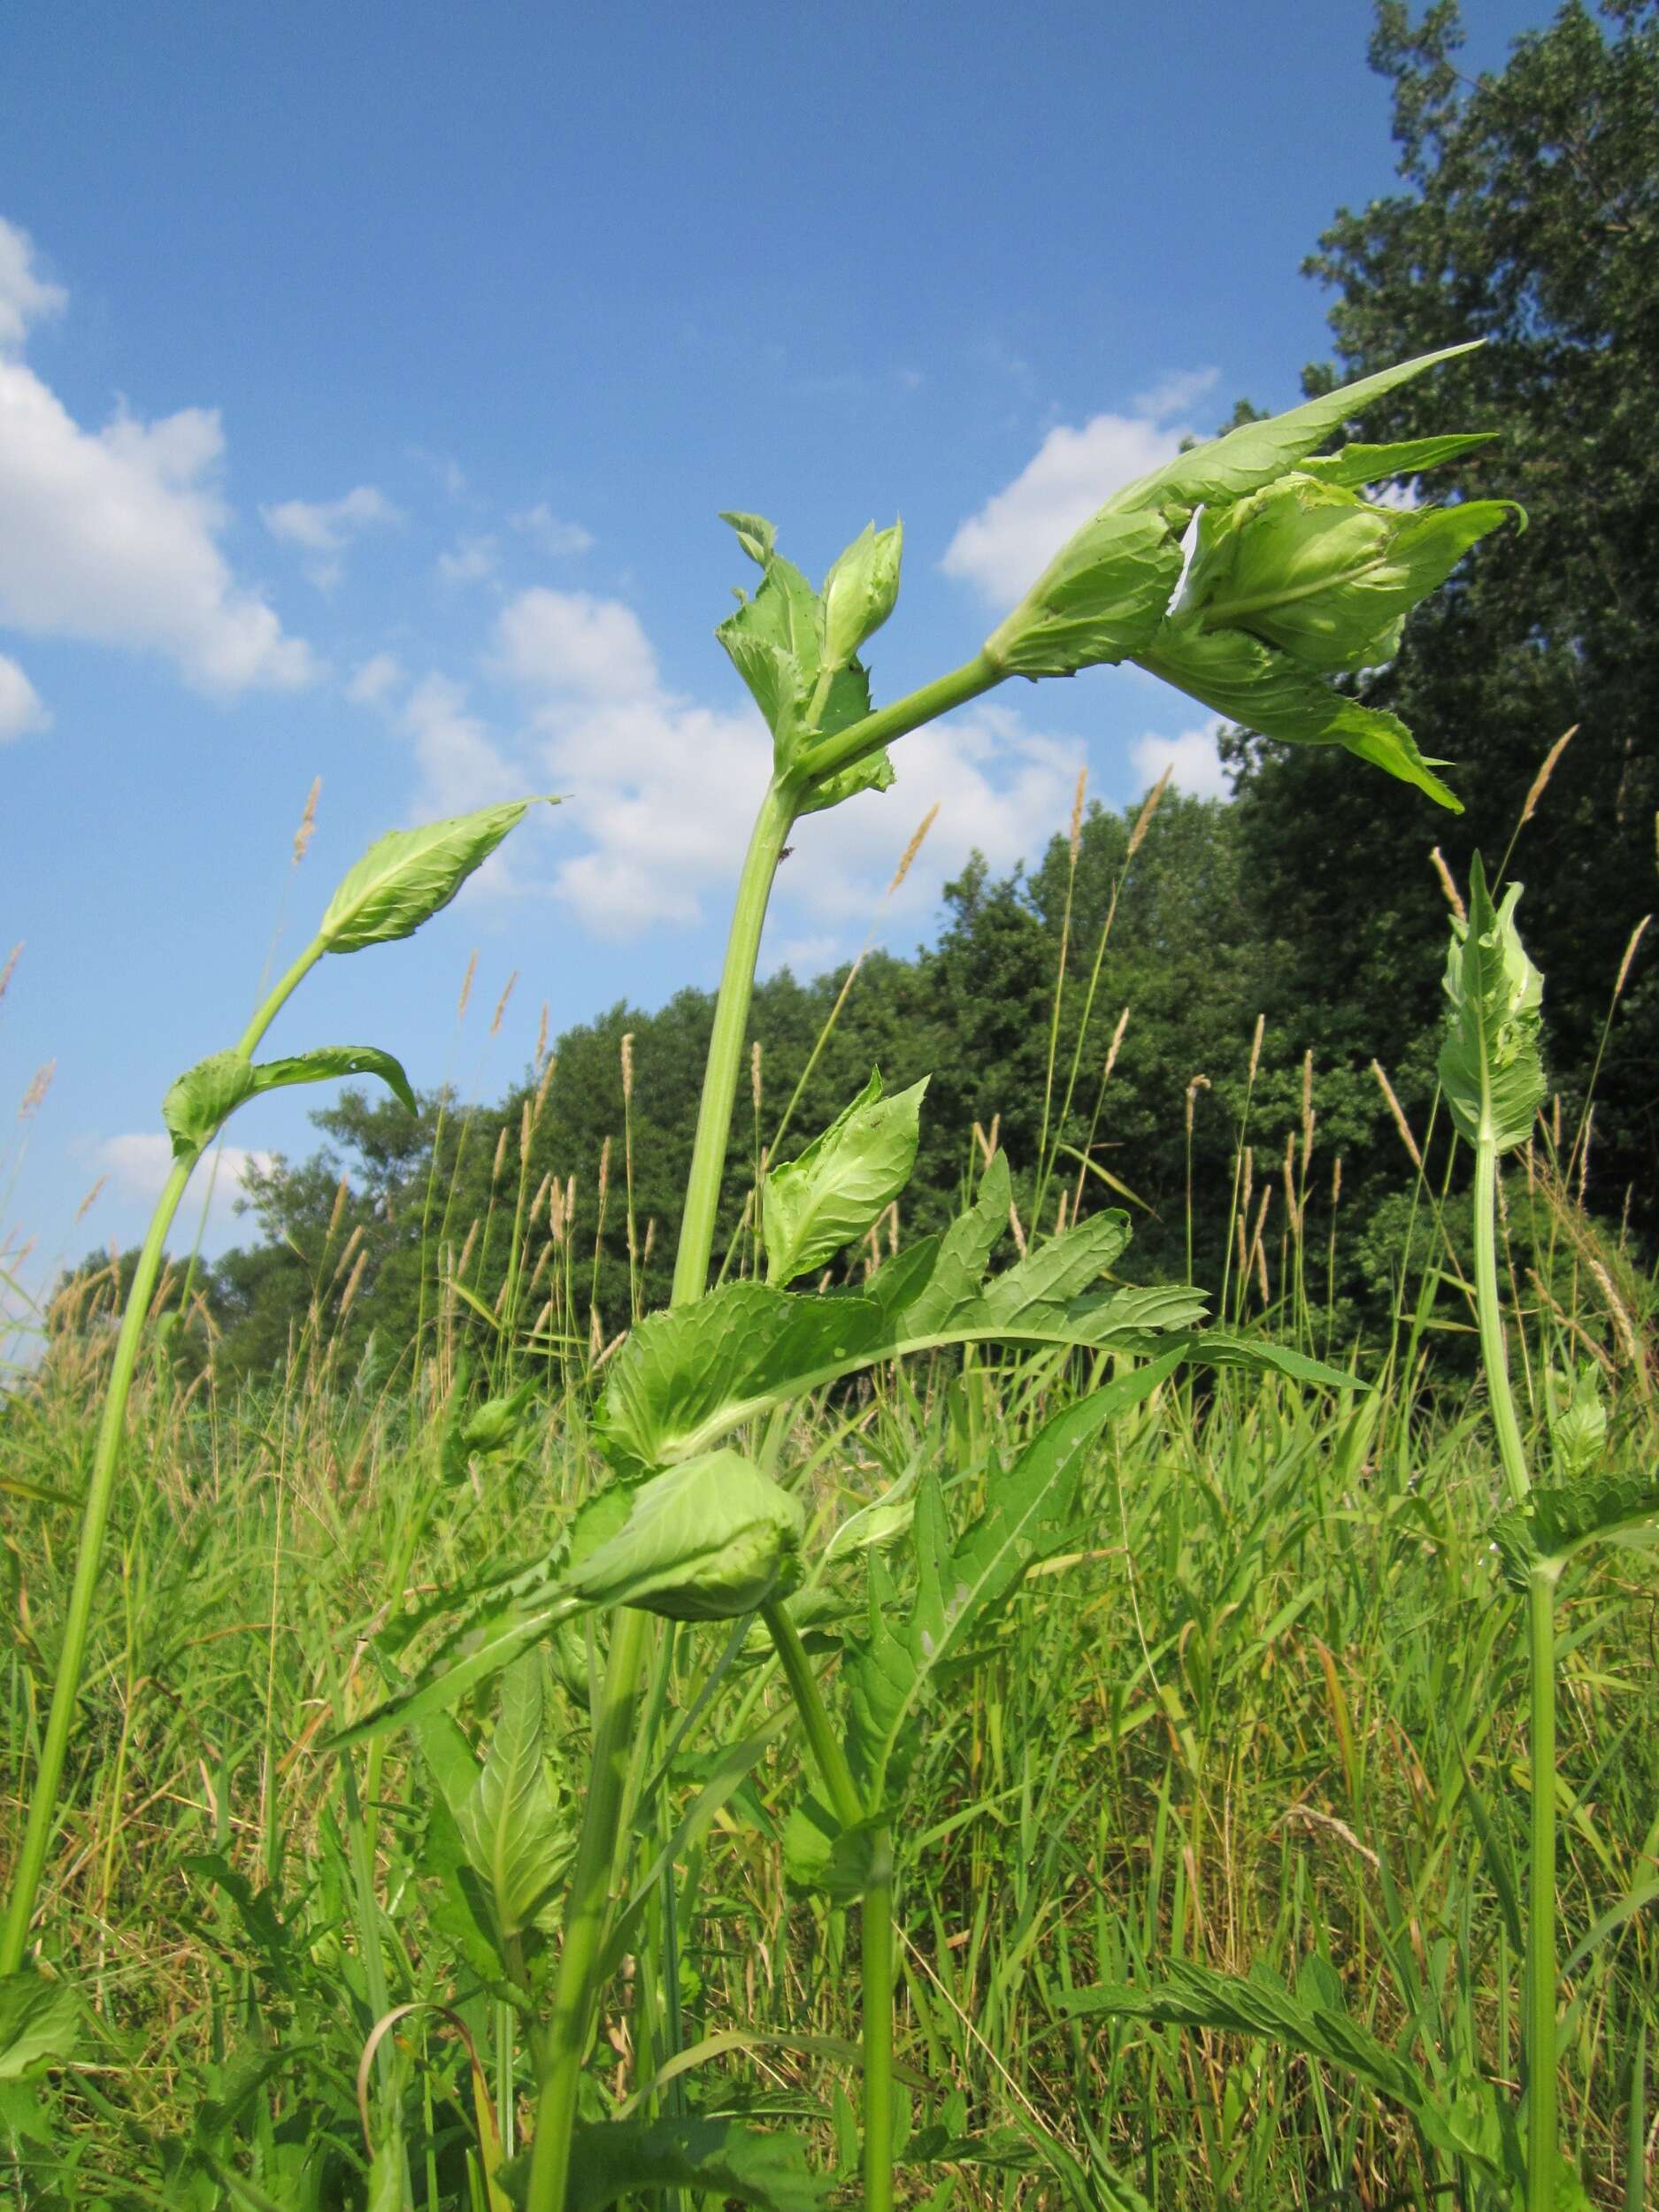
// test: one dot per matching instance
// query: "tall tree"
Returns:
(1528, 216)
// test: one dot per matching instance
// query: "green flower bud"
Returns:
(860, 592)
(705, 1542)
(1310, 567)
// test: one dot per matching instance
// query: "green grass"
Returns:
(1267, 1711)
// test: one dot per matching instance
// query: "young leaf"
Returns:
(1101, 598)
(860, 591)
(324, 1063)
(1560, 1518)
(1357, 466)
(1578, 1421)
(407, 876)
(1491, 1066)
(517, 1836)
(1236, 675)
(707, 1540)
(757, 537)
(843, 1181)
(38, 2023)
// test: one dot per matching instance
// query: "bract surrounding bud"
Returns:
(706, 1541)
(860, 591)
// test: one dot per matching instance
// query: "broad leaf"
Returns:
(202, 1100)
(1560, 1518)
(1356, 466)
(39, 2023)
(407, 876)
(724, 2158)
(324, 1063)
(1491, 1063)
(842, 1183)
(1249, 682)
(821, 1855)
(517, 1836)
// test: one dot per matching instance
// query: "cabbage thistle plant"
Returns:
(1249, 572)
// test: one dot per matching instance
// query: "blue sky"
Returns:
(370, 381)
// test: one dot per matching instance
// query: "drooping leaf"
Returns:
(409, 875)
(860, 591)
(1310, 2020)
(38, 2023)
(1491, 1063)
(842, 1183)
(1357, 466)
(1029, 1514)
(725, 2158)
(516, 1835)
(757, 537)
(1560, 1518)
(707, 1540)
(1236, 675)
(202, 1100)
(1314, 570)
(324, 1063)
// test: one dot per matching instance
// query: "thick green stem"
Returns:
(876, 1920)
(95, 1513)
(1542, 2148)
(725, 1046)
(100, 1493)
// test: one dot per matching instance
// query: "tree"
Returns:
(1529, 217)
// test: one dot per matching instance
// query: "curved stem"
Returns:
(849, 746)
(725, 1046)
(95, 1517)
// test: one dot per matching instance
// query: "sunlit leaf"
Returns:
(860, 591)
(515, 1829)
(38, 2023)
(1356, 466)
(842, 1183)
(407, 876)
(1491, 1063)
(1560, 1518)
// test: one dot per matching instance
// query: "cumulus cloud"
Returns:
(469, 560)
(20, 707)
(139, 1164)
(661, 790)
(325, 527)
(551, 533)
(113, 536)
(374, 679)
(1006, 546)
(1194, 764)
(460, 765)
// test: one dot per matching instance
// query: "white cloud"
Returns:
(20, 706)
(469, 561)
(25, 296)
(460, 766)
(139, 1164)
(113, 536)
(1194, 764)
(326, 526)
(374, 679)
(570, 644)
(1006, 546)
(1175, 393)
(554, 535)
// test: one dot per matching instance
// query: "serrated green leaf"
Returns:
(201, 1100)
(842, 1183)
(1491, 1062)
(1309, 567)
(1560, 1518)
(38, 2023)
(518, 1838)
(409, 875)
(860, 591)
(1236, 675)
(1578, 1421)
(707, 1540)
(757, 537)
(725, 2158)
(1059, 1270)
(1357, 466)
(1100, 600)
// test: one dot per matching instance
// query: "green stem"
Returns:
(95, 1513)
(1542, 2148)
(876, 1920)
(849, 746)
(100, 1494)
(1489, 1313)
(725, 1046)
